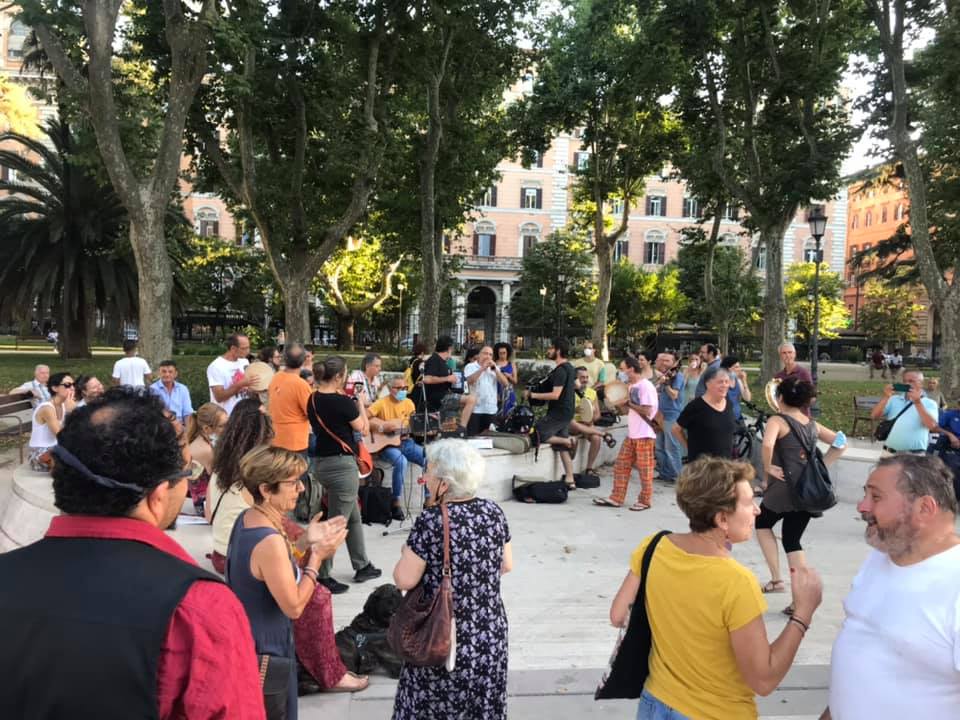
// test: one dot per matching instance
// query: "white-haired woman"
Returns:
(479, 554)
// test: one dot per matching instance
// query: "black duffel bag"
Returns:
(539, 491)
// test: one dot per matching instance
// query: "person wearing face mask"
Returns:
(203, 430)
(391, 415)
(593, 364)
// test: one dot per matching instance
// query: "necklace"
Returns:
(278, 526)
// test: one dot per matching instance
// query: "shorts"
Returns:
(479, 422)
(548, 427)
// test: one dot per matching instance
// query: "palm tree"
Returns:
(62, 239)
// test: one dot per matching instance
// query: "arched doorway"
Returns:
(481, 316)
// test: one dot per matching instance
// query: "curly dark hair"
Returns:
(796, 393)
(502, 346)
(247, 428)
(56, 380)
(122, 435)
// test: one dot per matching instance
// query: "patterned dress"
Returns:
(477, 687)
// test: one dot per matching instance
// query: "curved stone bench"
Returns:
(28, 509)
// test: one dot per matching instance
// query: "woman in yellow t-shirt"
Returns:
(710, 652)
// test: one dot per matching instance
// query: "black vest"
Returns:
(82, 622)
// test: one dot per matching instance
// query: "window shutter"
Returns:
(576, 161)
(476, 244)
(539, 198)
(648, 206)
(539, 159)
(493, 196)
(625, 250)
(493, 245)
(216, 228)
(663, 206)
(523, 197)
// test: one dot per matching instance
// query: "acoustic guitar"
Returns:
(377, 441)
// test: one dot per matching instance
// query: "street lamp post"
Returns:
(401, 287)
(543, 320)
(818, 225)
(561, 291)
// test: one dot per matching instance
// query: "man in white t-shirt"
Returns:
(225, 376)
(483, 377)
(898, 652)
(131, 370)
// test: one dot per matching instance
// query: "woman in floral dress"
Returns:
(476, 689)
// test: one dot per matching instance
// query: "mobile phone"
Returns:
(348, 388)
(901, 387)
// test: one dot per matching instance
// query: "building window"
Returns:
(654, 249)
(616, 207)
(691, 207)
(621, 250)
(883, 214)
(868, 219)
(581, 160)
(489, 198)
(531, 198)
(18, 33)
(760, 263)
(485, 239)
(899, 214)
(731, 213)
(810, 251)
(529, 237)
(657, 205)
(728, 239)
(537, 159)
(8, 174)
(207, 222)
(855, 222)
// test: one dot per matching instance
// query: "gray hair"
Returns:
(294, 355)
(41, 366)
(787, 345)
(920, 475)
(459, 463)
(711, 372)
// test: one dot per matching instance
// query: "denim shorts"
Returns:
(652, 709)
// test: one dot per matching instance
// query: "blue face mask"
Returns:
(401, 395)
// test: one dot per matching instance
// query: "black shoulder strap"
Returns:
(905, 408)
(645, 565)
(800, 438)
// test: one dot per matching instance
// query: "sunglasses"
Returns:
(66, 385)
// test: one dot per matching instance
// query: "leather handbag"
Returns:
(362, 455)
(275, 675)
(422, 630)
(885, 427)
(630, 663)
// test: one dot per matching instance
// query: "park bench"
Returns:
(10, 408)
(862, 406)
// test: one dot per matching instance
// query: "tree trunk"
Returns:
(950, 347)
(723, 338)
(604, 252)
(774, 302)
(708, 262)
(296, 302)
(345, 335)
(147, 236)
(431, 241)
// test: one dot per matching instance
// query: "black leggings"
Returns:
(794, 523)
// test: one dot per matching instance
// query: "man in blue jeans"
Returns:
(667, 450)
(390, 415)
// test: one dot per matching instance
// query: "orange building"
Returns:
(875, 213)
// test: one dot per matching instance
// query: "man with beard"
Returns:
(898, 651)
(554, 427)
(118, 616)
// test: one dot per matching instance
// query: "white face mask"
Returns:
(588, 352)
(622, 376)
(212, 439)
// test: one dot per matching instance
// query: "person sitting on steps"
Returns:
(582, 426)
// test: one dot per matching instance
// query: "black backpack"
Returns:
(376, 501)
(538, 491)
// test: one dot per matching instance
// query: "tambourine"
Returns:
(261, 373)
(615, 394)
(585, 410)
(770, 392)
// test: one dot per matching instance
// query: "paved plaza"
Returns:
(569, 562)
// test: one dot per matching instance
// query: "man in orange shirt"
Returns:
(289, 395)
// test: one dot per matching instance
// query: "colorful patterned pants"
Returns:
(634, 454)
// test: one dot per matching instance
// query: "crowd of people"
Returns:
(253, 460)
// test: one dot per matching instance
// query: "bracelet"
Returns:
(800, 623)
(312, 574)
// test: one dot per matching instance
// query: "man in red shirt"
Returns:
(107, 616)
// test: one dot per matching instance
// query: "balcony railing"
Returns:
(492, 262)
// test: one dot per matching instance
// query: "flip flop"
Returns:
(605, 502)
(639, 507)
(609, 440)
(774, 586)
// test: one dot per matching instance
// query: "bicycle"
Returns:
(748, 439)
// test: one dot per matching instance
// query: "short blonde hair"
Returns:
(457, 462)
(270, 466)
(708, 486)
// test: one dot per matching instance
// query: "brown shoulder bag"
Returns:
(421, 631)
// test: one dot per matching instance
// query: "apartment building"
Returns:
(875, 212)
(527, 204)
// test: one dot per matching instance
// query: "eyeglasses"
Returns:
(298, 481)
(67, 385)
